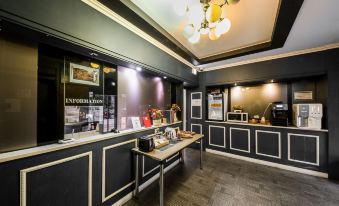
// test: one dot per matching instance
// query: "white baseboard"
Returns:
(271, 164)
(123, 200)
(129, 196)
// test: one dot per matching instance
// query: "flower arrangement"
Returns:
(175, 108)
(155, 113)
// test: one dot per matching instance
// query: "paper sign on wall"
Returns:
(196, 102)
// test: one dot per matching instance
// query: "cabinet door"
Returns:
(303, 148)
(268, 143)
(240, 139)
(216, 137)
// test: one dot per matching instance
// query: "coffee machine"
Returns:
(279, 114)
(307, 115)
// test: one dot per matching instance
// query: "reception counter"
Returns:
(96, 170)
(292, 148)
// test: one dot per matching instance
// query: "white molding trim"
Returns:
(124, 199)
(169, 159)
(143, 168)
(95, 4)
(103, 181)
(256, 143)
(272, 57)
(289, 149)
(24, 172)
(248, 139)
(270, 164)
(200, 93)
(200, 125)
(209, 137)
(184, 109)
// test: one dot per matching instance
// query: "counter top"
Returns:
(161, 155)
(9, 156)
(267, 125)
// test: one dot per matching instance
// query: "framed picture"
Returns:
(84, 75)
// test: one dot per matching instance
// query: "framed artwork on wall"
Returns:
(84, 75)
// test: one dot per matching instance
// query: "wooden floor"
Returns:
(226, 181)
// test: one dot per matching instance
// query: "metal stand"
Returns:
(201, 144)
(161, 184)
(136, 173)
(181, 156)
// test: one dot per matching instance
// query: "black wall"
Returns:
(76, 22)
(301, 66)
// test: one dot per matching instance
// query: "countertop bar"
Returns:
(265, 125)
(9, 156)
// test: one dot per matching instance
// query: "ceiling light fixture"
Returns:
(139, 69)
(206, 17)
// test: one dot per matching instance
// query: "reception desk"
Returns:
(94, 170)
(301, 150)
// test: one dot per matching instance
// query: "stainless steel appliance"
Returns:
(237, 117)
(216, 106)
(279, 114)
(307, 115)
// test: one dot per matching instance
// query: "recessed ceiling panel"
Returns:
(253, 23)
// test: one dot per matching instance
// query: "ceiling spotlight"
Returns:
(139, 69)
(165, 77)
(235, 84)
(272, 80)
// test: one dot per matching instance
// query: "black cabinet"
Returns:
(268, 143)
(240, 139)
(216, 137)
(303, 148)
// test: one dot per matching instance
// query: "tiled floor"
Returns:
(226, 181)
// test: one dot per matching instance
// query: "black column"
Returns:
(332, 64)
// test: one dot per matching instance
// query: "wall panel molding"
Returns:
(300, 161)
(209, 136)
(103, 183)
(256, 143)
(24, 172)
(248, 137)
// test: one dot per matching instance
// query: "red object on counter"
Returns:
(147, 121)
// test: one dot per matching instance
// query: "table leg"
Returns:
(136, 173)
(181, 156)
(201, 144)
(161, 184)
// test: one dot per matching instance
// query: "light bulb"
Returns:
(204, 31)
(188, 31)
(211, 25)
(213, 35)
(213, 13)
(223, 27)
(195, 15)
(224, 11)
(195, 38)
(179, 7)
